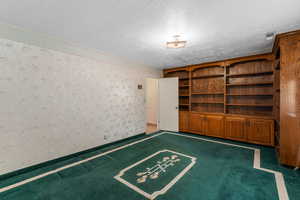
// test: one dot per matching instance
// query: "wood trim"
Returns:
(281, 35)
(225, 89)
(175, 69)
(222, 63)
(205, 65)
(267, 56)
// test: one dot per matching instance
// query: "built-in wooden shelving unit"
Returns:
(249, 87)
(234, 99)
(242, 87)
(250, 99)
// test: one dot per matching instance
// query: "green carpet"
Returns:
(173, 166)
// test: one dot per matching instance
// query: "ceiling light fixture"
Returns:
(176, 43)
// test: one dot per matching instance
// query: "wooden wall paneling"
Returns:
(212, 85)
(290, 99)
(276, 99)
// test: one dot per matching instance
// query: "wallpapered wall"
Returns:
(54, 104)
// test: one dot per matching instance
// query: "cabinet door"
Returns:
(183, 121)
(235, 128)
(197, 123)
(261, 131)
(215, 126)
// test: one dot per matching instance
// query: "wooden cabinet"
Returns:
(289, 142)
(252, 130)
(198, 123)
(260, 131)
(235, 99)
(215, 125)
(245, 129)
(183, 121)
(235, 128)
(210, 125)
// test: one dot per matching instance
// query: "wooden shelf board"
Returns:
(183, 104)
(245, 84)
(266, 94)
(212, 113)
(184, 86)
(208, 102)
(207, 93)
(184, 78)
(251, 105)
(250, 74)
(184, 95)
(208, 76)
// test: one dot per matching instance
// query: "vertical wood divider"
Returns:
(190, 88)
(274, 88)
(225, 87)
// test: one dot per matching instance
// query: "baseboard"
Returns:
(51, 162)
(155, 132)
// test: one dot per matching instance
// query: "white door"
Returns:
(168, 104)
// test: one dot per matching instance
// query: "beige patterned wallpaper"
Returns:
(54, 104)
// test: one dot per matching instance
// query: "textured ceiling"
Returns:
(138, 29)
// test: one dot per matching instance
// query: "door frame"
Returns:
(146, 103)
